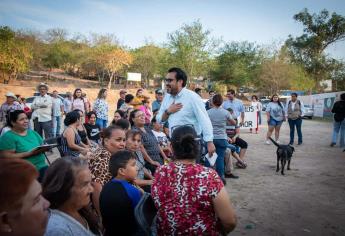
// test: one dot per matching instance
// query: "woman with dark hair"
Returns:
(71, 144)
(23, 210)
(21, 142)
(219, 118)
(92, 128)
(150, 148)
(68, 187)
(198, 187)
(123, 124)
(258, 106)
(101, 108)
(275, 117)
(79, 103)
(118, 114)
(82, 130)
(127, 107)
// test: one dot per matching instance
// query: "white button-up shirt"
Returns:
(43, 114)
(193, 113)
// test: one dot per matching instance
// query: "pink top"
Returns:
(78, 103)
(147, 113)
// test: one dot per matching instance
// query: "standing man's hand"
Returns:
(175, 107)
(210, 148)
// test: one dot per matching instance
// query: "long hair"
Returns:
(279, 103)
(58, 182)
(101, 93)
(75, 94)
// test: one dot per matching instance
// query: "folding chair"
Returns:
(56, 140)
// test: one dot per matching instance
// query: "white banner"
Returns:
(250, 118)
(134, 77)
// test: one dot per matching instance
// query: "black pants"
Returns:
(47, 127)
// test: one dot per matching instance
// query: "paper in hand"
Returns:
(212, 159)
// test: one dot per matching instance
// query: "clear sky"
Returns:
(136, 21)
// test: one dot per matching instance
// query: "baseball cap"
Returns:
(159, 91)
(10, 94)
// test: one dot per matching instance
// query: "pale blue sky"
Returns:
(133, 22)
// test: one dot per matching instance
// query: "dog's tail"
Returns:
(274, 142)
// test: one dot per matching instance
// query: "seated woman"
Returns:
(93, 130)
(119, 196)
(71, 144)
(133, 143)
(146, 108)
(67, 185)
(200, 188)
(153, 154)
(119, 114)
(82, 131)
(23, 210)
(233, 132)
(21, 142)
(113, 140)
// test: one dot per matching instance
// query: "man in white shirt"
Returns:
(42, 112)
(58, 110)
(294, 111)
(181, 106)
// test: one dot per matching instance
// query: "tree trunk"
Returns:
(110, 80)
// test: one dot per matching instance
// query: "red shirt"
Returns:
(183, 195)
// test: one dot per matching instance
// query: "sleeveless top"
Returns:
(64, 145)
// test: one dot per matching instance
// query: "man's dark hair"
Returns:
(184, 143)
(294, 94)
(231, 91)
(180, 75)
(119, 160)
(211, 91)
(342, 96)
(129, 98)
(197, 90)
(217, 100)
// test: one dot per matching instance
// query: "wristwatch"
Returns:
(167, 112)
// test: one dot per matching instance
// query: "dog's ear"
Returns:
(292, 148)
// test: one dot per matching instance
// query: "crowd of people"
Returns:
(107, 165)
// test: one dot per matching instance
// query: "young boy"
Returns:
(133, 144)
(161, 137)
(119, 196)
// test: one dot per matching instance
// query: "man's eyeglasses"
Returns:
(168, 81)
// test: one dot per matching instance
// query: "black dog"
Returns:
(284, 153)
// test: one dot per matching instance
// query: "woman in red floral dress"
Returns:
(190, 198)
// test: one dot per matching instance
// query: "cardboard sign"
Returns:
(250, 118)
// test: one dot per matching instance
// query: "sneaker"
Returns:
(299, 143)
(277, 141)
(332, 144)
(241, 165)
(231, 176)
(267, 142)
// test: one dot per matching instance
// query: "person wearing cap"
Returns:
(42, 112)
(67, 102)
(10, 105)
(121, 99)
(57, 113)
(159, 98)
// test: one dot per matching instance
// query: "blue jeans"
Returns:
(221, 146)
(259, 116)
(56, 125)
(339, 126)
(298, 124)
(102, 123)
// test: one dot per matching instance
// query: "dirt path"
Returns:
(308, 200)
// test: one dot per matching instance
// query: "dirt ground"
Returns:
(308, 200)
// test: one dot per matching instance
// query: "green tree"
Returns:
(320, 31)
(15, 54)
(191, 47)
(237, 64)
